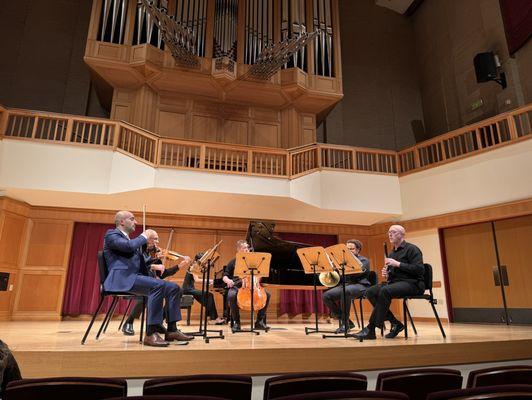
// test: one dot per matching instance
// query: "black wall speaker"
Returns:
(485, 67)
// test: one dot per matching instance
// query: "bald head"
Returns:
(125, 221)
(396, 234)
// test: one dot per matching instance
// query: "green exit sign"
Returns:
(476, 104)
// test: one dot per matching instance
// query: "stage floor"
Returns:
(45, 349)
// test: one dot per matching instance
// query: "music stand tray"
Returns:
(256, 266)
(348, 264)
(315, 260)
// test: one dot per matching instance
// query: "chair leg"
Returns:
(356, 313)
(111, 315)
(188, 315)
(125, 312)
(437, 319)
(142, 319)
(92, 320)
(405, 322)
(411, 320)
(361, 312)
(104, 322)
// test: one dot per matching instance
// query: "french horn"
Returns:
(329, 279)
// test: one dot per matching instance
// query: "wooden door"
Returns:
(514, 237)
(470, 255)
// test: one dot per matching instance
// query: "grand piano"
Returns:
(285, 267)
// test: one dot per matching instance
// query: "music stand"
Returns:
(256, 266)
(315, 261)
(206, 262)
(348, 264)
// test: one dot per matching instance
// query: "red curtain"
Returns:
(517, 17)
(82, 292)
(294, 302)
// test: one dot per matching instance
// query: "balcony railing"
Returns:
(165, 152)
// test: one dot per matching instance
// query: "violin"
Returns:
(167, 254)
(245, 293)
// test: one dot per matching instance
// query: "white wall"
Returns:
(429, 243)
(494, 177)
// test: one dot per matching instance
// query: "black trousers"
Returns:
(233, 306)
(381, 296)
(334, 298)
(207, 300)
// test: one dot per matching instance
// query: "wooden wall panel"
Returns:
(49, 243)
(205, 128)
(235, 132)
(40, 291)
(171, 124)
(266, 135)
(12, 228)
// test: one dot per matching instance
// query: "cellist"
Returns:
(233, 284)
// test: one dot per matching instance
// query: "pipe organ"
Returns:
(259, 72)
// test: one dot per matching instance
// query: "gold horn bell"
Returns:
(329, 279)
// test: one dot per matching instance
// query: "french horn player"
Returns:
(355, 286)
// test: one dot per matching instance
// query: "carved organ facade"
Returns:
(256, 72)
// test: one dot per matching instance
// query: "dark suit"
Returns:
(128, 273)
(355, 286)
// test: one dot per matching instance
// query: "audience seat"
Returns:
(348, 395)
(312, 382)
(500, 392)
(503, 375)
(235, 387)
(65, 389)
(418, 383)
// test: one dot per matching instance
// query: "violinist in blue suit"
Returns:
(128, 272)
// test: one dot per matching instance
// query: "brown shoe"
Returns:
(155, 340)
(177, 335)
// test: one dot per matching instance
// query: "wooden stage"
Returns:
(54, 349)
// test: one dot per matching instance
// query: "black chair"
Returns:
(102, 268)
(418, 383)
(500, 392)
(427, 277)
(503, 375)
(186, 302)
(236, 387)
(66, 388)
(348, 395)
(312, 382)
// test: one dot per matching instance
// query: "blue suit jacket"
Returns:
(124, 260)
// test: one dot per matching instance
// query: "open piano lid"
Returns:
(285, 267)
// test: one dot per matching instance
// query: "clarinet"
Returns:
(388, 269)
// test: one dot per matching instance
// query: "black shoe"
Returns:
(394, 330)
(342, 328)
(127, 329)
(261, 325)
(366, 334)
(236, 327)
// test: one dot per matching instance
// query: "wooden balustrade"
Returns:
(239, 159)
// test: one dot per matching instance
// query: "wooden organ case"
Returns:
(254, 72)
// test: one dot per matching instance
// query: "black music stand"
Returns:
(348, 264)
(256, 266)
(205, 264)
(315, 261)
